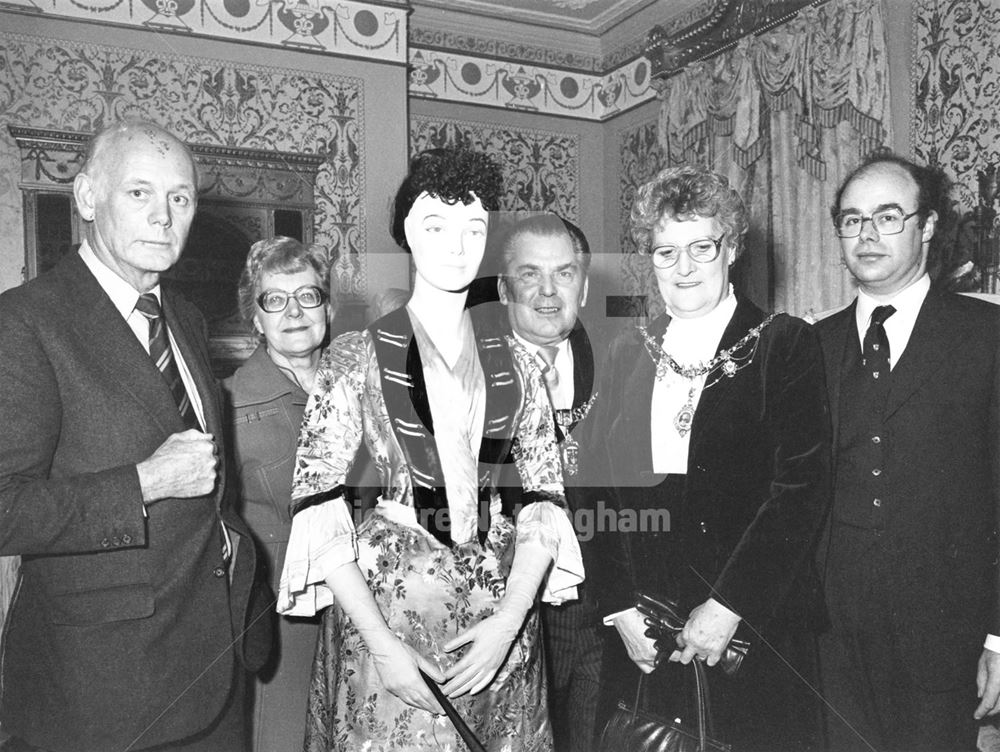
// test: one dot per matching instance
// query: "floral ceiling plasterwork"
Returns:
(541, 168)
(337, 27)
(77, 87)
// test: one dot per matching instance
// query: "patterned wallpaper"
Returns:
(956, 80)
(641, 157)
(541, 168)
(78, 87)
(956, 76)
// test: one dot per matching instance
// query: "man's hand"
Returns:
(988, 684)
(184, 466)
(708, 630)
(631, 626)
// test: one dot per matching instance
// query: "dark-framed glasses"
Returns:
(701, 251)
(274, 301)
(888, 221)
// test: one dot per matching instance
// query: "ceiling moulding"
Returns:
(587, 16)
(717, 27)
(513, 85)
(331, 27)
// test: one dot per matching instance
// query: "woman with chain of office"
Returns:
(714, 417)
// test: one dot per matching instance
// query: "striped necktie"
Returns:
(161, 354)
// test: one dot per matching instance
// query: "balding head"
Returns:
(137, 191)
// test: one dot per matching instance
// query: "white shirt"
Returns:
(562, 395)
(899, 326)
(690, 342)
(124, 297)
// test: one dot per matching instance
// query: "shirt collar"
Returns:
(907, 302)
(716, 319)
(562, 347)
(122, 294)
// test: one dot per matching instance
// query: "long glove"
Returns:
(398, 664)
(490, 640)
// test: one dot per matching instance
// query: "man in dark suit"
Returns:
(909, 558)
(134, 590)
(543, 286)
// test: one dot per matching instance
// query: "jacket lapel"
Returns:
(637, 397)
(583, 365)
(745, 317)
(842, 356)
(115, 348)
(933, 343)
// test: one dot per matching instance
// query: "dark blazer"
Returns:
(942, 462)
(116, 618)
(755, 491)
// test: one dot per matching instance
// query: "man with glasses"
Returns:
(909, 555)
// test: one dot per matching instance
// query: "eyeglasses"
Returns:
(274, 301)
(702, 251)
(885, 222)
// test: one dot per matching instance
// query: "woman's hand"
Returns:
(708, 630)
(489, 642)
(631, 626)
(399, 666)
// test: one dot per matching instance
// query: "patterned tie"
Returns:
(163, 357)
(875, 349)
(547, 358)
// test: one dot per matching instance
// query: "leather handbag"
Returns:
(631, 729)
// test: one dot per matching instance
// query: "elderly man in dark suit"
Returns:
(135, 589)
(909, 560)
(543, 286)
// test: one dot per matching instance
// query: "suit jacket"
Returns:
(941, 433)
(116, 618)
(756, 486)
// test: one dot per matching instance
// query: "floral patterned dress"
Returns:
(429, 587)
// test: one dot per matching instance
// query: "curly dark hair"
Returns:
(451, 174)
(683, 193)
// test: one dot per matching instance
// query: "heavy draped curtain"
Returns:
(786, 115)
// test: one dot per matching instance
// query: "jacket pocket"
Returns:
(103, 606)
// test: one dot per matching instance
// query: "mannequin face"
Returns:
(447, 241)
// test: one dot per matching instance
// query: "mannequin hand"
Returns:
(397, 665)
(489, 642)
(709, 629)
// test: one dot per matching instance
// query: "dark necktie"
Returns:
(547, 356)
(875, 349)
(161, 354)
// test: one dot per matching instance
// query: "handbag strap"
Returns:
(706, 727)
